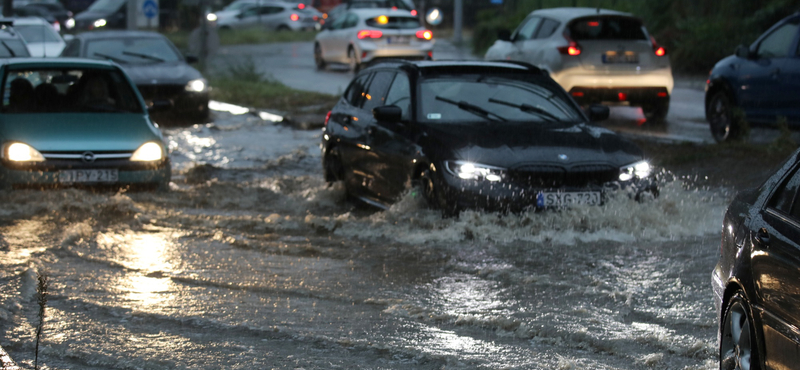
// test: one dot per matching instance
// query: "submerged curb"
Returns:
(6, 363)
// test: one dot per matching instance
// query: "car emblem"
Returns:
(563, 157)
(87, 157)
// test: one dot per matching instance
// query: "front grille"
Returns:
(73, 160)
(150, 92)
(549, 176)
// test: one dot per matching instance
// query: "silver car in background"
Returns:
(597, 55)
(281, 16)
(361, 36)
(41, 39)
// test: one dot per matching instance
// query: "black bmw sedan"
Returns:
(487, 135)
(160, 72)
(756, 281)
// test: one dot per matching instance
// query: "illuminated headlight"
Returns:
(474, 171)
(99, 23)
(211, 17)
(19, 152)
(70, 23)
(198, 85)
(636, 170)
(148, 152)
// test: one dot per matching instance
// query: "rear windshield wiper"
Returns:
(9, 49)
(145, 56)
(474, 109)
(527, 108)
(109, 57)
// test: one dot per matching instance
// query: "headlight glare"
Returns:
(198, 85)
(99, 23)
(20, 152)
(639, 170)
(473, 171)
(148, 152)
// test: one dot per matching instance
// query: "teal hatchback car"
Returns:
(75, 122)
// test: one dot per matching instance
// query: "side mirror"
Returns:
(191, 59)
(743, 51)
(597, 112)
(504, 35)
(159, 105)
(388, 113)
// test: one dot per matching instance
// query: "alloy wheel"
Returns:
(318, 57)
(737, 345)
(720, 118)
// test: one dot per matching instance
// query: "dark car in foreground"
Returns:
(756, 281)
(160, 72)
(760, 82)
(489, 135)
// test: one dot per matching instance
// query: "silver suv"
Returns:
(597, 55)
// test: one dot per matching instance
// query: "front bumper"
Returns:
(46, 174)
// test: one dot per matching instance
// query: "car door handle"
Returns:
(762, 237)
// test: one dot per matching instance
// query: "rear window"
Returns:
(393, 22)
(607, 28)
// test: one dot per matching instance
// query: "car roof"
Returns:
(462, 66)
(27, 21)
(56, 62)
(568, 14)
(374, 12)
(113, 34)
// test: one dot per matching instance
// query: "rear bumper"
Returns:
(370, 51)
(599, 79)
(634, 96)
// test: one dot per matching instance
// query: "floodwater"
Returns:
(252, 262)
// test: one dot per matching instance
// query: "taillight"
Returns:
(328, 117)
(373, 34)
(414, 12)
(301, 6)
(571, 49)
(658, 50)
(424, 34)
(294, 17)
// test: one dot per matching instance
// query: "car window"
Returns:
(607, 28)
(38, 33)
(527, 29)
(13, 48)
(271, 10)
(546, 30)
(376, 93)
(133, 50)
(393, 22)
(400, 95)
(355, 92)
(350, 21)
(338, 23)
(784, 199)
(250, 12)
(512, 97)
(53, 90)
(777, 44)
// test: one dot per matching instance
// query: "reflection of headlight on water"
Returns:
(198, 85)
(473, 171)
(99, 23)
(639, 169)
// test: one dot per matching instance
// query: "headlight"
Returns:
(99, 23)
(639, 169)
(148, 152)
(70, 23)
(198, 85)
(474, 171)
(19, 152)
(211, 17)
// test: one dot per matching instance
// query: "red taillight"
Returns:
(572, 49)
(394, 8)
(373, 34)
(430, 54)
(593, 23)
(425, 34)
(301, 6)
(414, 12)
(622, 96)
(315, 18)
(328, 117)
(294, 17)
(662, 95)
(363, 54)
(577, 94)
(658, 50)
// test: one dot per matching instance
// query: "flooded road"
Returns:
(252, 262)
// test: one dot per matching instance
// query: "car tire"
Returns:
(434, 194)
(334, 171)
(720, 118)
(355, 66)
(738, 348)
(657, 112)
(318, 60)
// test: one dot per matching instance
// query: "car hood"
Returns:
(176, 73)
(78, 131)
(511, 145)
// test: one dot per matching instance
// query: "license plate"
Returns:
(563, 199)
(398, 40)
(87, 176)
(620, 57)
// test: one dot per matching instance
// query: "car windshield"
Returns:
(459, 99)
(37, 33)
(106, 6)
(133, 50)
(393, 22)
(607, 28)
(54, 90)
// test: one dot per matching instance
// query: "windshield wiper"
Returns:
(9, 49)
(109, 57)
(527, 108)
(474, 109)
(145, 56)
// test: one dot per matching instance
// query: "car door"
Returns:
(353, 146)
(248, 17)
(326, 39)
(775, 263)
(524, 38)
(272, 17)
(344, 35)
(378, 165)
(533, 50)
(761, 95)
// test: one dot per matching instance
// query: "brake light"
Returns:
(593, 24)
(430, 54)
(571, 49)
(658, 50)
(424, 34)
(577, 94)
(662, 94)
(622, 96)
(414, 12)
(315, 18)
(301, 6)
(394, 8)
(373, 34)
(294, 17)
(327, 117)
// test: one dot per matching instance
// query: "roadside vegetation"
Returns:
(253, 35)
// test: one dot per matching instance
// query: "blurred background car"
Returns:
(500, 136)
(13, 45)
(74, 122)
(597, 55)
(370, 4)
(41, 39)
(756, 281)
(154, 64)
(281, 16)
(63, 18)
(362, 36)
(760, 82)
(103, 13)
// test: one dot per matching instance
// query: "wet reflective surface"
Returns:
(253, 262)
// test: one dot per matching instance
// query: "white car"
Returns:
(273, 15)
(597, 55)
(361, 36)
(41, 39)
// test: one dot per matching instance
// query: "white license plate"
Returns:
(562, 199)
(87, 176)
(398, 40)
